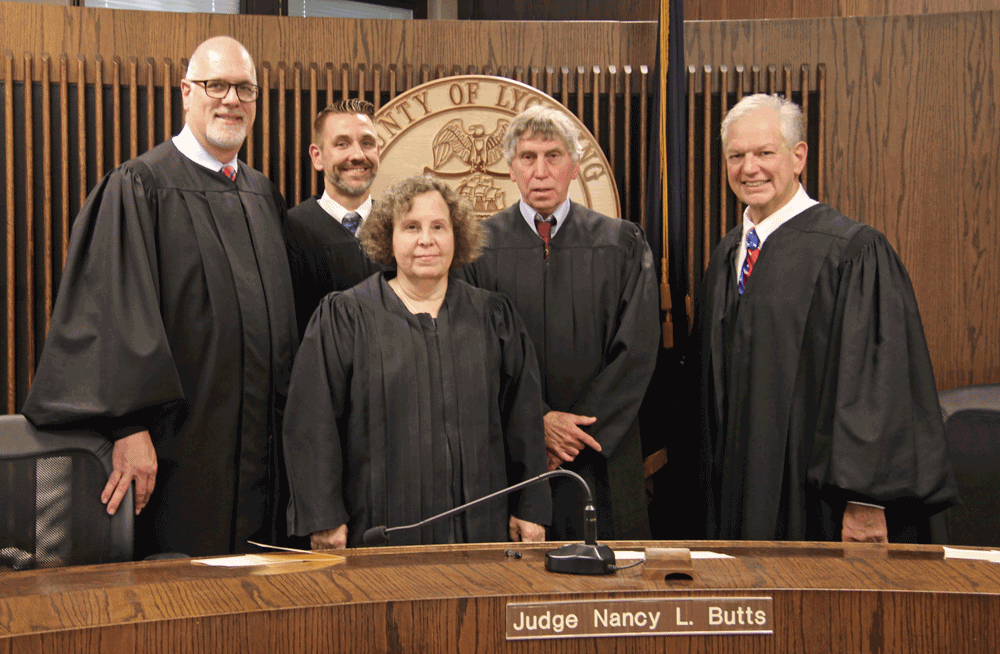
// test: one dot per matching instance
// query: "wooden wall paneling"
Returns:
(595, 102)
(613, 122)
(168, 107)
(627, 145)
(803, 101)
(821, 111)
(29, 212)
(564, 85)
(81, 131)
(377, 85)
(8, 103)
(723, 169)
(297, 133)
(362, 80)
(46, 196)
(392, 82)
(741, 78)
(550, 81)
(98, 118)
(116, 111)
(345, 80)
(151, 103)
(644, 81)
(692, 85)
(265, 119)
(313, 111)
(63, 171)
(133, 107)
(581, 73)
(282, 129)
(706, 171)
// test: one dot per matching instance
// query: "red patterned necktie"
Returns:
(544, 227)
(753, 251)
(229, 172)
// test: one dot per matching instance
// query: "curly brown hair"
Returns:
(376, 232)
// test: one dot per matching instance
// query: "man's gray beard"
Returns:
(224, 139)
(347, 189)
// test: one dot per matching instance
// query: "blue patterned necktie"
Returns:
(351, 221)
(753, 251)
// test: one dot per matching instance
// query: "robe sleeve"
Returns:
(317, 400)
(882, 437)
(107, 364)
(521, 413)
(615, 393)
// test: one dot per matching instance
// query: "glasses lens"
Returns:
(247, 92)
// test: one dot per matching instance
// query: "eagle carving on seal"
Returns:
(472, 145)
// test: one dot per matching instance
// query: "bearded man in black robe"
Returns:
(585, 286)
(820, 412)
(173, 331)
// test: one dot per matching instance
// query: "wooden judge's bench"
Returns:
(769, 597)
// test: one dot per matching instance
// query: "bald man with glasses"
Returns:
(174, 328)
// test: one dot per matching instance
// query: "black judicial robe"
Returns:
(393, 418)
(816, 387)
(592, 312)
(323, 255)
(174, 314)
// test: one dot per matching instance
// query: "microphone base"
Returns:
(581, 559)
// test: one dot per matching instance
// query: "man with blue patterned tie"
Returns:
(819, 411)
(323, 250)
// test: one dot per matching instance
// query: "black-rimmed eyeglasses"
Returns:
(219, 89)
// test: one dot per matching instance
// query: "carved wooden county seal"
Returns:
(454, 128)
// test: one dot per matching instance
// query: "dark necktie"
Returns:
(753, 251)
(544, 227)
(229, 172)
(351, 221)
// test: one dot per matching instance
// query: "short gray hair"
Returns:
(547, 122)
(790, 119)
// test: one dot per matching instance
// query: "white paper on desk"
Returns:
(628, 555)
(973, 555)
(247, 560)
(710, 555)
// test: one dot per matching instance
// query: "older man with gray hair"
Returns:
(585, 286)
(820, 418)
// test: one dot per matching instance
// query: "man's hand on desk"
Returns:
(522, 531)
(329, 539)
(864, 524)
(133, 458)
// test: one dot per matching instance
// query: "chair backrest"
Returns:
(972, 424)
(50, 506)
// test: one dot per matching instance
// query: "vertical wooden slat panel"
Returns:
(393, 81)
(786, 81)
(361, 81)
(265, 124)
(723, 174)
(772, 79)
(627, 142)
(249, 146)
(133, 107)
(612, 89)
(740, 81)
(29, 211)
(550, 74)
(63, 169)
(8, 104)
(46, 198)
(439, 73)
(313, 110)
(502, 72)
(804, 103)
(297, 141)
(407, 77)
(150, 104)
(425, 73)
(377, 86)
(168, 104)
(643, 139)
(581, 74)
(535, 77)
(329, 85)
(519, 74)
(821, 137)
(456, 70)
(755, 78)
(564, 86)
(595, 96)
(81, 133)
(472, 69)
(706, 170)
(691, 91)
(283, 129)
(116, 106)
(98, 116)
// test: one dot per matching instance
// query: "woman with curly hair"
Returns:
(413, 393)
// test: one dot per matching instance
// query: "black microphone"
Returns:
(587, 558)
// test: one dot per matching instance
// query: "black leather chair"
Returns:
(972, 425)
(50, 508)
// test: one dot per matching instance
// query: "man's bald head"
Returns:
(216, 49)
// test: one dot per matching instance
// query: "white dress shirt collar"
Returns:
(799, 203)
(338, 211)
(559, 214)
(190, 147)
